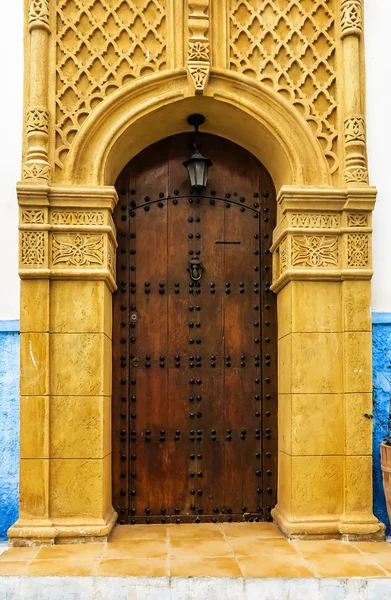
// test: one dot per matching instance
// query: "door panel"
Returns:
(194, 362)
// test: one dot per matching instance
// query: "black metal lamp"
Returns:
(197, 165)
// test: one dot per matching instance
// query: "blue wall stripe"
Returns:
(381, 318)
(9, 326)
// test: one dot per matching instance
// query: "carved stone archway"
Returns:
(80, 132)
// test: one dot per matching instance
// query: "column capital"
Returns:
(38, 15)
(351, 18)
(323, 235)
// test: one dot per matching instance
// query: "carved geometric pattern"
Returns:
(111, 259)
(290, 45)
(36, 171)
(77, 250)
(355, 129)
(33, 248)
(351, 17)
(77, 218)
(101, 46)
(39, 11)
(357, 220)
(198, 59)
(315, 251)
(322, 221)
(37, 119)
(198, 51)
(33, 216)
(283, 250)
(358, 250)
(199, 75)
(356, 175)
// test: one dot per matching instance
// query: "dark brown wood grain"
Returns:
(194, 365)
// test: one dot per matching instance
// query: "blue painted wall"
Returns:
(381, 397)
(9, 424)
(9, 415)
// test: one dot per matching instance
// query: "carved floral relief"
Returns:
(77, 250)
(315, 251)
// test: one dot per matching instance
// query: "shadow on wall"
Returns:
(381, 398)
(9, 424)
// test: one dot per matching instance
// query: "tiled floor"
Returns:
(223, 550)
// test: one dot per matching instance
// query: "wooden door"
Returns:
(194, 361)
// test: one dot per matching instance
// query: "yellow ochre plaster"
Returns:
(285, 81)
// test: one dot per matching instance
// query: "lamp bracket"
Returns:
(196, 120)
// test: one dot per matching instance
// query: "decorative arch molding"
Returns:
(304, 119)
(244, 111)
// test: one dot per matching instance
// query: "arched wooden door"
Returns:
(194, 361)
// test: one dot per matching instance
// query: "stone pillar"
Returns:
(36, 167)
(322, 272)
(356, 171)
(67, 267)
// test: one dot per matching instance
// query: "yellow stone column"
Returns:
(322, 272)
(67, 266)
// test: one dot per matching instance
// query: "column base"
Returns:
(34, 532)
(348, 528)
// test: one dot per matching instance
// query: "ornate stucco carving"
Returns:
(101, 47)
(198, 54)
(291, 47)
(351, 17)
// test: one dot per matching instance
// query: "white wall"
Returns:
(11, 111)
(377, 42)
(377, 19)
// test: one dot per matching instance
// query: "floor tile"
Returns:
(193, 530)
(15, 554)
(139, 532)
(260, 530)
(71, 551)
(344, 565)
(308, 547)
(383, 560)
(251, 546)
(71, 567)
(200, 547)
(136, 549)
(9, 567)
(204, 567)
(373, 547)
(284, 565)
(130, 567)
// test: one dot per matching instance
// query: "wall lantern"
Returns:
(197, 165)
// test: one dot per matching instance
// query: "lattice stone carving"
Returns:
(315, 251)
(358, 250)
(101, 46)
(32, 248)
(290, 45)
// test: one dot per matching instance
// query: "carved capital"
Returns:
(323, 237)
(354, 129)
(351, 18)
(36, 171)
(39, 15)
(37, 119)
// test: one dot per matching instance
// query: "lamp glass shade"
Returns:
(197, 167)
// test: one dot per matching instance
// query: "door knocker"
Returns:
(195, 269)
